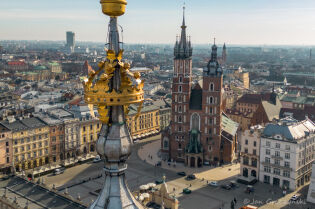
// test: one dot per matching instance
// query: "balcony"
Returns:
(277, 157)
(249, 155)
(276, 166)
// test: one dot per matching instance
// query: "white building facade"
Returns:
(287, 151)
(250, 151)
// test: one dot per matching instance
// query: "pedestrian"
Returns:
(234, 200)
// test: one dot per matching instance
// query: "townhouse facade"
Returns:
(287, 152)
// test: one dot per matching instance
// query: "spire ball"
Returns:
(114, 8)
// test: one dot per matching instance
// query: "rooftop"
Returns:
(39, 196)
(289, 131)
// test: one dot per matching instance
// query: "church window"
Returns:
(179, 119)
(165, 143)
(211, 110)
(180, 108)
(180, 79)
(211, 87)
(211, 100)
(195, 121)
(179, 88)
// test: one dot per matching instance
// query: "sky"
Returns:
(250, 22)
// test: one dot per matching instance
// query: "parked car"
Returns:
(97, 159)
(191, 177)
(186, 191)
(294, 198)
(249, 189)
(181, 173)
(233, 184)
(214, 183)
(226, 186)
(58, 171)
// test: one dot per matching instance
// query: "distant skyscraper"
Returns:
(70, 41)
(224, 54)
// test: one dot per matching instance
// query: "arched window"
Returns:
(165, 143)
(211, 100)
(179, 119)
(179, 108)
(179, 88)
(180, 79)
(211, 87)
(195, 121)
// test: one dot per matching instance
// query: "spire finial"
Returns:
(184, 7)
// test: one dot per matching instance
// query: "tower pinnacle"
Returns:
(183, 48)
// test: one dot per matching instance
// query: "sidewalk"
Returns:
(206, 172)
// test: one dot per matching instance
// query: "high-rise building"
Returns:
(198, 132)
(224, 55)
(70, 41)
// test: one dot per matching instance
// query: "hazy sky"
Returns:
(158, 21)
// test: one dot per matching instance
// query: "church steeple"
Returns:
(183, 48)
(213, 67)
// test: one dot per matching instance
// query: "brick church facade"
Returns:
(199, 131)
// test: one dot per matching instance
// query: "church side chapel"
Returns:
(199, 132)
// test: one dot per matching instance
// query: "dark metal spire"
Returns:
(113, 37)
(183, 48)
(213, 67)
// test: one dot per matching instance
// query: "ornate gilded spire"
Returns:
(112, 93)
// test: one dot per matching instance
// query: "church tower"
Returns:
(181, 89)
(212, 107)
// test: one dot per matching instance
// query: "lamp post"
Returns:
(111, 89)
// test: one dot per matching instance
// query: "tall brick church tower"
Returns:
(212, 106)
(199, 131)
(181, 92)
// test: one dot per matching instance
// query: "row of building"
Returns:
(56, 135)
(280, 154)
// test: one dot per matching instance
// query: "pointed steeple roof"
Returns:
(183, 47)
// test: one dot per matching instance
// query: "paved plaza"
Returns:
(85, 180)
